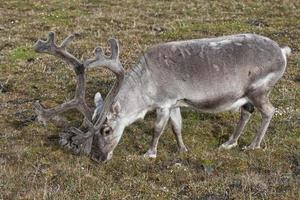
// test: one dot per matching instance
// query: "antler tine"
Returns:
(67, 40)
(114, 46)
(98, 52)
(45, 46)
(94, 62)
(51, 36)
(46, 114)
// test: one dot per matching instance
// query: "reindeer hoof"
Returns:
(150, 154)
(251, 147)
(228, 145)
(182, 149)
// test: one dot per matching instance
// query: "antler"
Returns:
(74, 138)
(112, 63)
(78, 102)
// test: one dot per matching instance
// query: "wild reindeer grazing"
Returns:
(210, 75)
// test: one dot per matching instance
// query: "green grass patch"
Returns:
(22, 53)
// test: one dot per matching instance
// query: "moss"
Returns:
(22, 53)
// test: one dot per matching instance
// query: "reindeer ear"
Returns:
(98, 100)
(116, 108)
(98, 103)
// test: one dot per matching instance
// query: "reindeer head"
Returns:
(108, 128)
(107, 137)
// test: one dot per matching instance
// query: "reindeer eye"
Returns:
(106, 131)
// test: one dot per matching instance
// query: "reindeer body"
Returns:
(210, 75)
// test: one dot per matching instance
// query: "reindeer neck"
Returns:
(132, 96)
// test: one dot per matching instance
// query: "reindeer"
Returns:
(210, 75)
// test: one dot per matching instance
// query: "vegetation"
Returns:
(33, 166)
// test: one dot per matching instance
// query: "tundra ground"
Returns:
(33, 166)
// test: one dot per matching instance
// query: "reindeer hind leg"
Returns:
(246, 111)
(262, 103)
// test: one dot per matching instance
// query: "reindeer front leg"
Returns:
(176, 123)
(163, 115)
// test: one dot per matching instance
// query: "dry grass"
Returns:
(33, 166)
